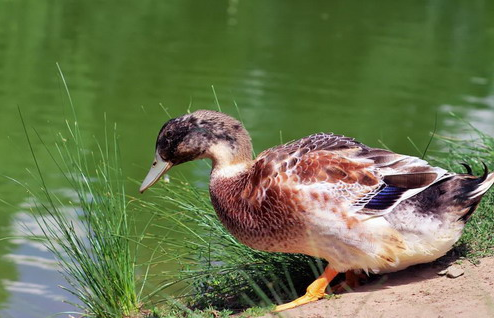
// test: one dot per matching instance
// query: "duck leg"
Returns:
(315, 291)
(352, 281)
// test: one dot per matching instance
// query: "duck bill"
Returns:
(158, 168)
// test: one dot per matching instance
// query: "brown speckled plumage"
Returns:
(326, 195)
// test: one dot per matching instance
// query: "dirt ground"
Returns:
(415, 292)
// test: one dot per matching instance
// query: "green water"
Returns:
(377, 71)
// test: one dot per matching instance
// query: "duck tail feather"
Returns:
(485, 183)
(467, 167)
(486, 173)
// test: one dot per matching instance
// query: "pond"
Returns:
(382, 73)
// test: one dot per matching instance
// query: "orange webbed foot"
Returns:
(315, 291)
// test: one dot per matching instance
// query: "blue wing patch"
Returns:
(385, 198)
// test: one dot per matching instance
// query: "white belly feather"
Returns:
(374, 245)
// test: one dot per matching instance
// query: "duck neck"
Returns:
(230, 159)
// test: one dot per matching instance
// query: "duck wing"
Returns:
(347, 173)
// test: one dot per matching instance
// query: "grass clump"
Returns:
(92, 246)
(93, 250)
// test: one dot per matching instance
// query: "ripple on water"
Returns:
(38, 279)
(34, 261)
(32, 289)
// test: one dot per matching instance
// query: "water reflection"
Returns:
(38, 277)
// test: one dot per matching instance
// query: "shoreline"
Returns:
(414, 292)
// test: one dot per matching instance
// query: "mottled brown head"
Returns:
(202, 134)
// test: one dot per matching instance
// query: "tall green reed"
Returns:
(94, 251)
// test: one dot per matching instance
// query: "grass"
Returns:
(93, 249)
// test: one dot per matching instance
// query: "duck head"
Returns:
(201, 134)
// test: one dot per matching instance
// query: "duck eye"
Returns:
(154, 164)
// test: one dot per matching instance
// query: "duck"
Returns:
(324, 195)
